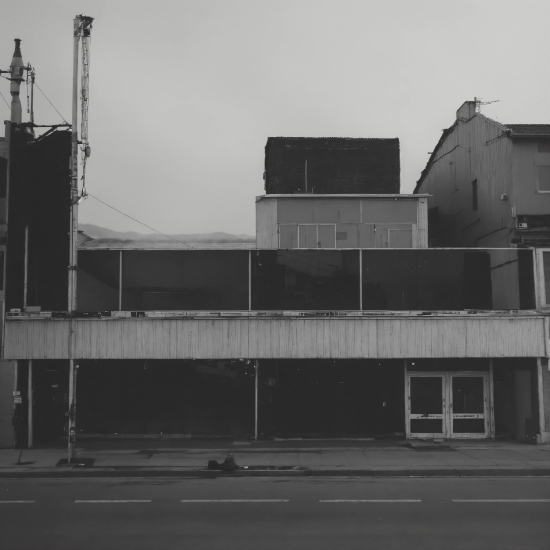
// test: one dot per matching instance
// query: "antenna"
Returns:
(479, 103)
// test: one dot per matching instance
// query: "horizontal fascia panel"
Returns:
(276, 338)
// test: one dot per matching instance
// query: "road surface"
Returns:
(275, 513)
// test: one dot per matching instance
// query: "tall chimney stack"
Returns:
(16, 79)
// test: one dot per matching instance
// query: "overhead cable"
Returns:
(64, 120)
(134, 219)
(5, 101)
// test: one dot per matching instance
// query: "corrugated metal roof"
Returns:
(341, 196)
(529, 129)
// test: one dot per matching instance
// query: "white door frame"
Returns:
(448, 415)
(410, 416)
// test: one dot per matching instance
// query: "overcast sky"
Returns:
(184, 93)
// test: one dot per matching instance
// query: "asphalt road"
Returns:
(275, 513)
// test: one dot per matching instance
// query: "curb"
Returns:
(212, 474)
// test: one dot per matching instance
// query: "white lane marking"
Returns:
(371, 500)
(239, 500)
(501, 500)
(107, 501)
(17, 501)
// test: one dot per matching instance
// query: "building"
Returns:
(339, 321)
(489, 183)
(331, 166)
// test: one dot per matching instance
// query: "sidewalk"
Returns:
(188, 458)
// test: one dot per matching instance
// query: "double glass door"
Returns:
(449, 405)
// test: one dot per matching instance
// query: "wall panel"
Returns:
(268, 337)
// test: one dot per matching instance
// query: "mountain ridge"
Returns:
(97, 232)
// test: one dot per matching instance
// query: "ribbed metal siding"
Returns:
(278, 338)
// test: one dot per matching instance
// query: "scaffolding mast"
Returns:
(82, 28)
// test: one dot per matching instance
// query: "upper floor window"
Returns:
(474, 194)
(543, 179)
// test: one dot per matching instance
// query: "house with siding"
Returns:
(489, 183)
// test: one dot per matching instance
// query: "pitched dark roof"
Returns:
(433, 155)
(334, 165)
(529, 129)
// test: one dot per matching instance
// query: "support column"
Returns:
(30, 398)
(250, 280)
(26, 272)
(73, 369)
(120, 281)
(543, 383)
(360, 280)
(256, 369)
(407, 419)
(491, 398)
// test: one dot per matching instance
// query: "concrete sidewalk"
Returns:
(169, 457)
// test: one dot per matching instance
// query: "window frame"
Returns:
(539, 190)
(475, 195)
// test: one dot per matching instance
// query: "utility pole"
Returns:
(81, 30)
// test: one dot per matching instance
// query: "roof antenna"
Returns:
(479, 103)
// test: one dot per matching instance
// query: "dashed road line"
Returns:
(501, 500)
(372, 500)
(107, 501)
(17, 501)
(262, 500)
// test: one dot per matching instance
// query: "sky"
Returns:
(185, 93)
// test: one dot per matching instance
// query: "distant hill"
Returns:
(105, 234)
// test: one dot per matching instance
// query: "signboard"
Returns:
(17, 400)
(16, 393)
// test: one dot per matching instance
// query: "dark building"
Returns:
(38, 200)
(332, 166)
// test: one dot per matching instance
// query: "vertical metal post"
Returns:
(256, 369)
(360, 280)
(491, 400)
(540, 396)
(407, 401)
(30, 398)
(15, 411)
(26, 272)
(73, 232)
(73, 371)
(120, 281)
(33, 75)
(250, 280)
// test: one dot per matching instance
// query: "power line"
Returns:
(5, 101)
(36, 84)
(134, 219)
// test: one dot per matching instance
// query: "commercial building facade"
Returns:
(330, 326)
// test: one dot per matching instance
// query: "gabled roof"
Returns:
(433, 155)
(512, 131)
